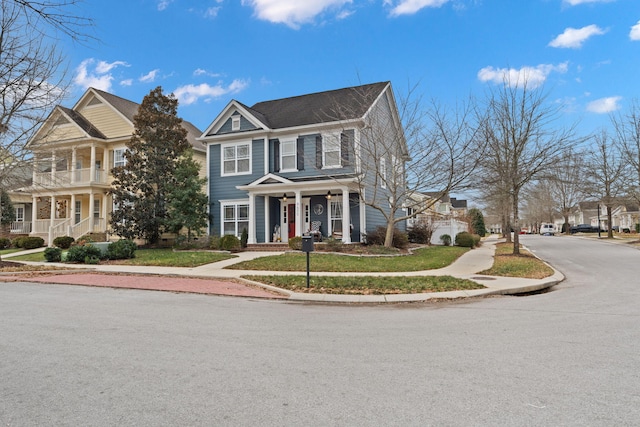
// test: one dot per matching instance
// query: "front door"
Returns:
(291, 220)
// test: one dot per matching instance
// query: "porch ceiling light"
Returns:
(284, 197)
(329, 195)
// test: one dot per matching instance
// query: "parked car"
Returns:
(547, 230)
(583, 228)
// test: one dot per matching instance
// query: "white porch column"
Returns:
(52, 215)
(73, 209)
(34, 212)
(298, 213)
(53, 167)
(103, 207)
(346, 216)
(267, 220)
(105, 164)
(74, 159)
(92, 169)
(252, 219)
(92, 199)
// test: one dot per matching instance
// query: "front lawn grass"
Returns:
(524, 265)
(367, 285)
(154, 257)
(9, 251)
(422, 259)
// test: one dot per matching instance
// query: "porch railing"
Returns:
(20, 227)
(64, 178)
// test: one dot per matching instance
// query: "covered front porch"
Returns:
(279, 209)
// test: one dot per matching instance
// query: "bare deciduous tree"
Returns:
(627, 135)
(567, 183)
(606, 173)
(32, 71)
(522, 141)
(398, 159)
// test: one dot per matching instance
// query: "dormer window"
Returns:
(235, 123)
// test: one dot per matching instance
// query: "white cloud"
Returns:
(292, 12)
(634, 34)
(577, 2)
(98, 76)
(604, 105)
(575, 37)
(163, 4)
(190, 94)
(150, 76)
(409, 7)
(532, 76)
(203, 72)
(212, 12)
(126, 82)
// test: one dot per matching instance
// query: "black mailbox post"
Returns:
(307, 246)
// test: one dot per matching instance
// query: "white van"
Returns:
(547, 230)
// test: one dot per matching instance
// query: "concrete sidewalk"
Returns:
(176, 279)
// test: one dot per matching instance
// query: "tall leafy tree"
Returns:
(477, 221)
(142, 187)
(187, 201)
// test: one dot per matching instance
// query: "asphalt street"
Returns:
(95, 356)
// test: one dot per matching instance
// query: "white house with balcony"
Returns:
(73, 154)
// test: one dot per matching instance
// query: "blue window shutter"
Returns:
(300, 153)
(319, 151)
(276, 155)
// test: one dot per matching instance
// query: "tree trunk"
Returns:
(609, 228)
(516, 227)
(388, 238)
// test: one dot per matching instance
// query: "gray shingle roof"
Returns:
(322, 107)
(83, 123)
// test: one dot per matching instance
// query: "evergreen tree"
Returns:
(187, 202)
(141, 188)
(7, 213)
(477, 221)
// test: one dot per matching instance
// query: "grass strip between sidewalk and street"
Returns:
(367, 285)
(429, 258)
(525, 265)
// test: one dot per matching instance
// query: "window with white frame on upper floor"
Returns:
(118, 157)
(236, 159)
(331, 151)
(288, 159)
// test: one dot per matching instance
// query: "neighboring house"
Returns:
(73, 153)
(458, 207)
(583, 213)
(443, 215)
(18, 183)
(287, 167)
(625, 216)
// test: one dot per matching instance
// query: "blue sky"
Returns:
(586, 53)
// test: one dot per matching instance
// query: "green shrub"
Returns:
(295, 243)
(465, 240)
(122, 249)
(5, 243)
(214, 242)
(53, 254)
(63, 242)
(91, 259)
(445, 239)
(229, 242)
(334, 245)
(32, 242)
(378, 235)
(78, 253)
(476, 240)
(18, 242)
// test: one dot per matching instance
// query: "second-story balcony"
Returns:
(78, 177)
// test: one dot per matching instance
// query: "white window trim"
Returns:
(22, 208)
(325, 140)
(118, 150)
(235, 203)
(295, 155)
(235, 123)
(236, 144)
(337, 200)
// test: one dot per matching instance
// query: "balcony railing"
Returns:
(67, 178)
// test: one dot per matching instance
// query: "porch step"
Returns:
(268, 247)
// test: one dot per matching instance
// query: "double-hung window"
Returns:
(118, 157)
(235, 218)
(331, 152)
(236, 159)
(288, 155)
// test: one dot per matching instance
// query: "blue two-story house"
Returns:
(292, 166)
